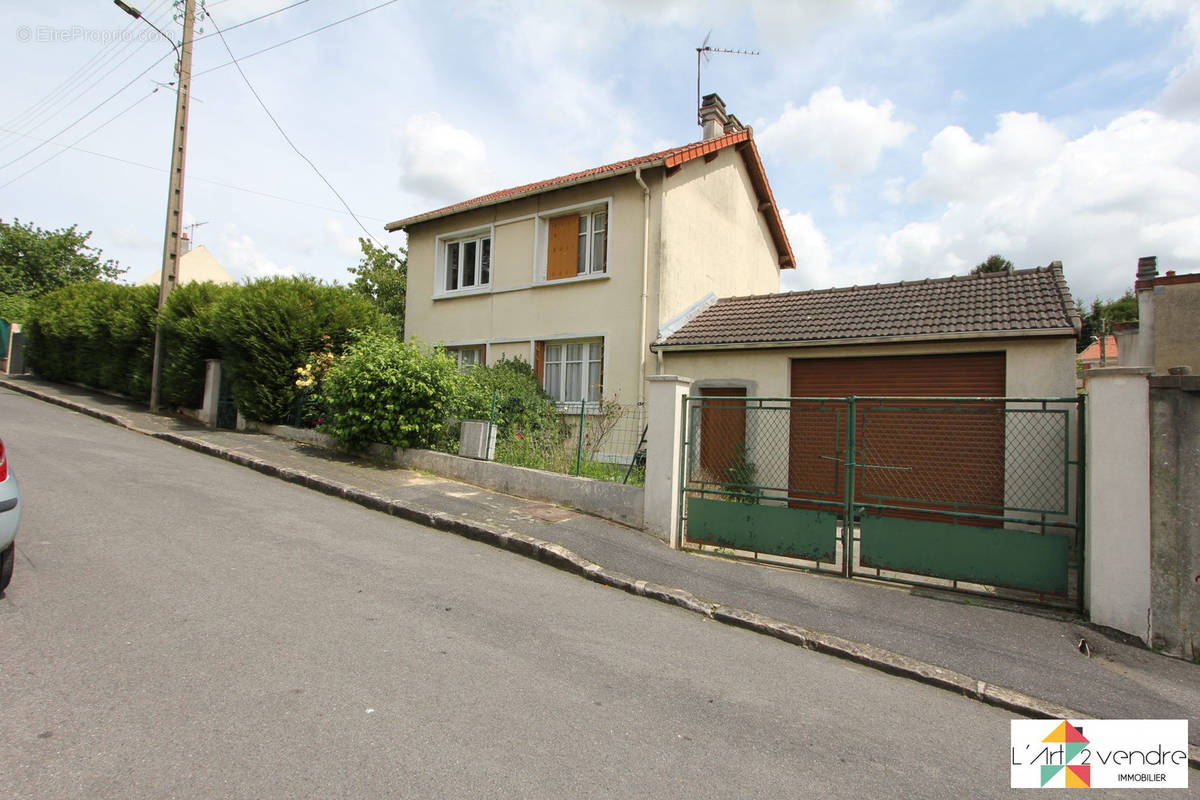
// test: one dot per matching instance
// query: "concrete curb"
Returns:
(557, 556)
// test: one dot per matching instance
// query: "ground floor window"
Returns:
(467, 357)
(573, 370)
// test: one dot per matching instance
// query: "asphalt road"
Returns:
(178, 626)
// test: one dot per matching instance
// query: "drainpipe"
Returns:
(637, 175)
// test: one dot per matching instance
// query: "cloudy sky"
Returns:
(902, 139)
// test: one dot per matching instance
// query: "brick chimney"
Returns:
(713, 117)
(1147, 268)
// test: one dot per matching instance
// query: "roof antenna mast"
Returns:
(704, 50)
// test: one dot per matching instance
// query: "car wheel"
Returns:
(7, 557)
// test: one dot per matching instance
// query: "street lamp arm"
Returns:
(133, 12)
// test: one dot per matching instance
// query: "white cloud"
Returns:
(240, 255)
(335, 233)
(814, 256)
(959, 168)
(1096, 203)
(440, 161)
(851, 134)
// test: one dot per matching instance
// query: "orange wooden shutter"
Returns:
(562, 254)
(539, 361)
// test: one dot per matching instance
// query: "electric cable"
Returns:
(287, 138)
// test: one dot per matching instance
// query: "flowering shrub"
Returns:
(388, 391)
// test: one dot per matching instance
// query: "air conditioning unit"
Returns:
(477, 439)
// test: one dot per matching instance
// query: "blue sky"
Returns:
(902, 140)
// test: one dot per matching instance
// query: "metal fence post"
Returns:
(848, 507)
(579, 450)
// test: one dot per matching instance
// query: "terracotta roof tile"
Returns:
(1001, 303)
(669, 158)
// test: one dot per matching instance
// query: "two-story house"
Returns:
(577, 275)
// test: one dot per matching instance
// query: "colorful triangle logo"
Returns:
(1049, 771)
(1079, 776)
(1066, 732)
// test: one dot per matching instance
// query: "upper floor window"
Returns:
(468, 263)
(577, 245)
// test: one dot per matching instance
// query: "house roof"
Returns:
(992, 304)
(1092, 351)
(742, 140)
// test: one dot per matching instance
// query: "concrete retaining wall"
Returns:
(1175, 515)
(614, 501)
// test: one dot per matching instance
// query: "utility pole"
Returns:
(170, 263)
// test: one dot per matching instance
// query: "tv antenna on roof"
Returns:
(704, 50)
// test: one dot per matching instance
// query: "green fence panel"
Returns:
(995, 556)
(795, 532)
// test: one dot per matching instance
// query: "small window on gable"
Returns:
(577, 245)
(468, 263)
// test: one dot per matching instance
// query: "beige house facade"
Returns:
(577, 275)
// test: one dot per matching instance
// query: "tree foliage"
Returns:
(994, 263)
(189, 336)
(34, 261)
(1098, 320)
(268, 327)
(382, 276)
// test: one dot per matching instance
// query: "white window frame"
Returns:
(459, 240)
(585, 265)
(542, 239)
(555, 358)
(464, 361)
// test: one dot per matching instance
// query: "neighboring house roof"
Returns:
(1091, 353)
(195, 266)
(672, 159)
(972, 306)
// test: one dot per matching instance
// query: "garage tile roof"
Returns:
(1004, 303)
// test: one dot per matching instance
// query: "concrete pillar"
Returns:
(1117, 565)
(212, 392)
(664, 416)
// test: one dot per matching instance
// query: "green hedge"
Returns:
(98, 333)
(189, 338)
(267, 328)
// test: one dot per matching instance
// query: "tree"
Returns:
(382, 276)
(35, 261)
(1098, 321)
(994, 263)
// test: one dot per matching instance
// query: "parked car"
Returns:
(10, 517)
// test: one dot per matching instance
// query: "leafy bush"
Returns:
(98, 333)
(388, 391)
(267, 328)
(15, 308)
(189, 335)
(521, 404)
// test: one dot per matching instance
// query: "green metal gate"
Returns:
(977, 494)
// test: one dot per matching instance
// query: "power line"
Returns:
(58, 98)
(192, 177)
(87, 114)
(250, 21)
(45, 161)
(287, 138)
(293, 39)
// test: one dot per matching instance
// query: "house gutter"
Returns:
(637, 175)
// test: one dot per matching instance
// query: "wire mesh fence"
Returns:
(603, 439)
(987, 456)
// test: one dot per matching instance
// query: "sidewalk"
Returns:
(1025, 659)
